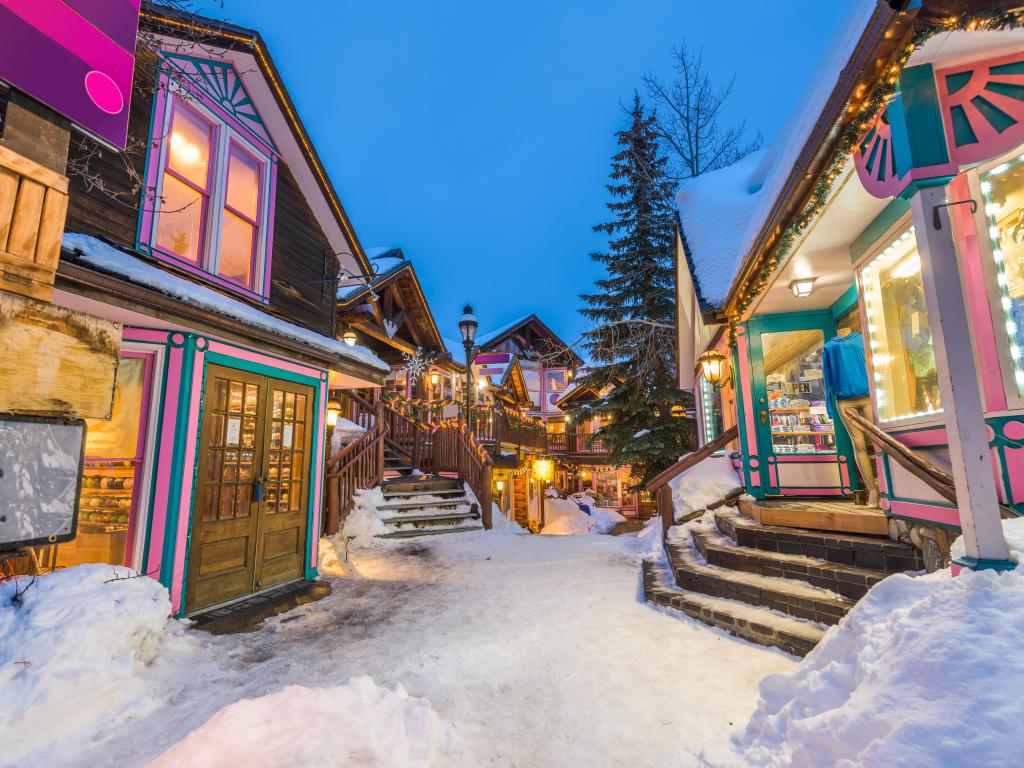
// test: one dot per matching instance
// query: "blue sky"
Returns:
(477, 135)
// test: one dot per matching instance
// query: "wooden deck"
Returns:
(818, 514)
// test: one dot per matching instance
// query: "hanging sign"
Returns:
(75, 56)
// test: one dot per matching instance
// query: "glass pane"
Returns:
(235, 398)
(711, 410)
(190, 146)
(236, 249)
(252, 394)
(181, 214)
(899, 333)
(227, 498)
(244, 184)
(796, 392)
(1003, 190)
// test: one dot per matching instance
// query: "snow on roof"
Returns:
(386, 264)
(110, 259)
(457, 351)
(723, 212)
(483, 340)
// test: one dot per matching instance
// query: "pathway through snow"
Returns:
(536, 650)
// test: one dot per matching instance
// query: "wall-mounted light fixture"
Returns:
(349, 337)
(333, 412)
(714, 367)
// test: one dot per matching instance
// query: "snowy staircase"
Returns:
(395, 463)
(426, 505)
(771, 585)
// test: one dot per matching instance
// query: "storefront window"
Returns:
(796, 392)
(711, 410)
(1003, 191)
(110, 478)
(899, 333)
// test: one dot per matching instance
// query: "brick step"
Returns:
(795, 598)
(868, 552)
(416, 532)
(758, 625)
(440, 519)
(849, 581)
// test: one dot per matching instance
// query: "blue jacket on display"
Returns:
(845, 370)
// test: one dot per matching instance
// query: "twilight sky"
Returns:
(477, 135)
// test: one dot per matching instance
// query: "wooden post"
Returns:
(977, 500)
(665, 508)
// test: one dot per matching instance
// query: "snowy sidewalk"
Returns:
(536, 650)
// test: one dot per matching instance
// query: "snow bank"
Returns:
(705, 483)
(345, 432)
(501, 523)
(565, 518)
(925, 670)
(359, 723)
(70, 648)
(332, 556)
(363, 524)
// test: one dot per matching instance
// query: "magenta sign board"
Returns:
(75, 56)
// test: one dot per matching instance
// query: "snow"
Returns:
(483, 339)
(109, 259)
(345, 432)
(722, 212)
(359, 723)
(71, 651)
(385, 265)
(704, 483)
(456, 350)
(565, 518)
(363, 524)
(641, 433)
(530, 650)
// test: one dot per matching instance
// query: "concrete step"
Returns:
(795, 598)
(869, 552)
(443, 518)
(416, 532)
(423, 484)
(758, 625)
(849, 581)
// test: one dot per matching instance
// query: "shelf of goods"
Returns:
(104, 511)
(801, 428)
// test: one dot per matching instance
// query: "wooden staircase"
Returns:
(772, 585)
(426, 505)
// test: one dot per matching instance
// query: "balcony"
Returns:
(578, 447)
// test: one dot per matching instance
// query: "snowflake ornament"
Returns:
(416, 364)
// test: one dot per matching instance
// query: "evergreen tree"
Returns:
(631, 338)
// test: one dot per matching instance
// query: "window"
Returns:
(796, 392)
(555, 380)
(711, 410)
(899, 334)
(212, 206)
(1003, 191)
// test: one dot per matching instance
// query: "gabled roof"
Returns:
(577, 396)
(493, 338)
(724, 215)
(514, 381)
(235, 39)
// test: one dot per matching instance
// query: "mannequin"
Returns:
(846, 386)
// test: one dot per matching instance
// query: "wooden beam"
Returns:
(375, 331)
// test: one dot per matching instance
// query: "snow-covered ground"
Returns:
(494, 648)
(565, 517)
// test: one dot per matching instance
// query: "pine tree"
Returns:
(631, 338)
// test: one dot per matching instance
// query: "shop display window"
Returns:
(796, 392)
(711, 410)
(108, 506)
(1003, 191)
(899, 333)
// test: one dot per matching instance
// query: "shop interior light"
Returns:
(802, 288)
(908, 267)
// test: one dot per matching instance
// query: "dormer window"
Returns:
(213, 183)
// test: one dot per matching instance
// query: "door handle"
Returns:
(764, 416)
(259, 489)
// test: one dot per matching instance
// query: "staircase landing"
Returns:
(818, 514)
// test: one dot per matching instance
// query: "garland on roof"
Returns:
(866, 110)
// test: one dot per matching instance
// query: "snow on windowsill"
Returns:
(109, 259)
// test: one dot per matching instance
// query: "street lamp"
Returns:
(467, 326)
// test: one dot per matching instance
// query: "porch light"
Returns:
(714, 367)
(543, 470)
(349, 337)
(500, 485)
(802, 288)
(434, 378)
(333, 412)
(678, 411)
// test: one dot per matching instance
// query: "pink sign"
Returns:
(75, 56)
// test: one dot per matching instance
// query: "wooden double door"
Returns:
(249, 526)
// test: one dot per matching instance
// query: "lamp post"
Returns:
(467, 326)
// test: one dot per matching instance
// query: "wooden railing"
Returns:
(659, 485)
(455, 449)
(576, 444)
(357, 466)
(497, 426)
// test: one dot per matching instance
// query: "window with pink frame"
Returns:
(213, 197)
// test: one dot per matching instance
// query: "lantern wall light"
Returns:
(349, 337)
(714, 367)
(333, 412)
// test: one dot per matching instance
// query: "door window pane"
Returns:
(795, 383)
(899, 333)
(181, 217)
(1003, 191)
